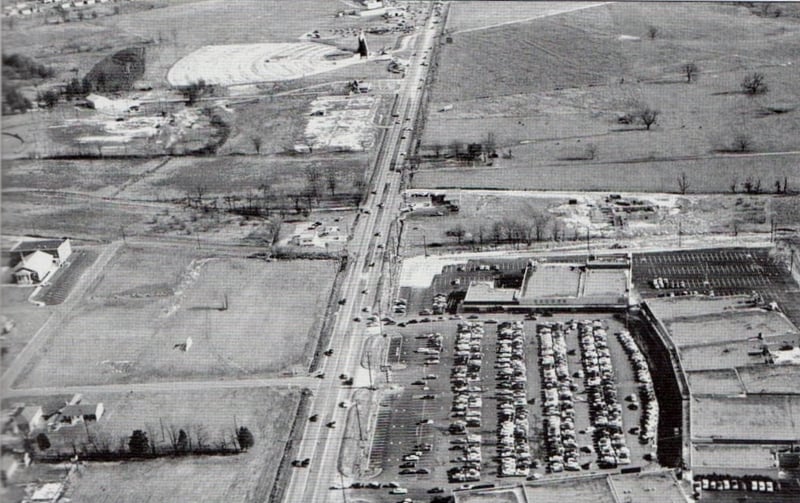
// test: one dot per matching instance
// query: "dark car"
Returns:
(314, 418)
(428, 397)
(423, 471)
(408, 464)
(408, 471)
(418, 383)
(435, 490)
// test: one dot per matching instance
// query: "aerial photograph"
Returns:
(399, 251)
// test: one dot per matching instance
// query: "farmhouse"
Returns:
(109, 106)
(33, 268)
(59, 249)
(79, 413)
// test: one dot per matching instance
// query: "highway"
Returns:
(321, 443)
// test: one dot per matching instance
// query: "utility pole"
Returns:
(358, 418)
(425, 244)
(369, 368)
(588, 245)
(344, 493)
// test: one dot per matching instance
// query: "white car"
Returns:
(399, 490)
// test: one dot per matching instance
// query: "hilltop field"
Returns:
(554, 90)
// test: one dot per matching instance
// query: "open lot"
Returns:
(27, 319)
(151, 299)
(549, 87)
(248, 476)
(708, 175)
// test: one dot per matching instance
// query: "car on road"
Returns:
(313, 418)
(377, 234)
(408, 471)
(357, 319)
(399, 490)
(435, 490)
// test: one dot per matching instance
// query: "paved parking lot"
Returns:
(733, 271)
(403, 428)
(64, 279)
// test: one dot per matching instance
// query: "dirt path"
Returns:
(300, 382)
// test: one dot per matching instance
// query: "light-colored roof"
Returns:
(552, 280)
(38, 262)
(484, 291)
(28, 412)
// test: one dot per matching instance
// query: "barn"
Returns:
(59, 249)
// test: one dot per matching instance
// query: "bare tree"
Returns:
(690, 70)
(648, 116)
(591, 151)
(683, 182)
(331, 181)
(754, 83)
(652, 32)
(256, 141)
(312, 179)
(457, 232)
(741, 142)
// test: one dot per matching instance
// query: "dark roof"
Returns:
(77, 410)
(29, 246)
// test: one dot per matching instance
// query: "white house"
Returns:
(33, 268)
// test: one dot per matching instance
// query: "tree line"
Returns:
(144, 443)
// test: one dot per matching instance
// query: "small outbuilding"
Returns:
(29, 418)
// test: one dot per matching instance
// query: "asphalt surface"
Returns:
(322, 443)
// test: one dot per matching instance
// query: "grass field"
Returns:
(222, 176)
(27, 319)
(710, 175)
(247, 476)
(150, 299)
(556, 84)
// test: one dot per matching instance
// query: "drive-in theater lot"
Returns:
(416, 423)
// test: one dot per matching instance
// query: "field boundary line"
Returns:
(533, 18)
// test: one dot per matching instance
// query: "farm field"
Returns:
(559, 84)
(267, 413)
(151, 299)
(483, 15)
(707, 175)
